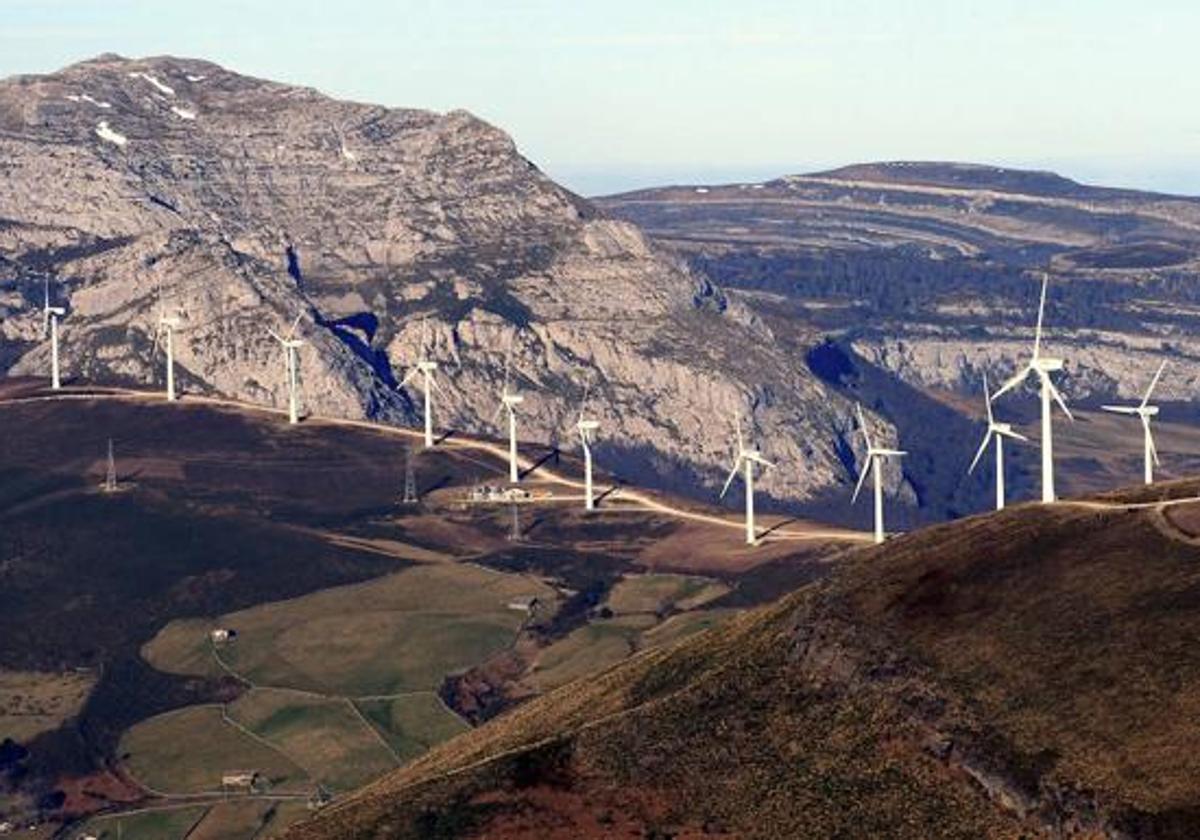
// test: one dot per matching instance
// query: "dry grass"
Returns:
(325, 737)
(657, 593)
(32, 703)
(412, 723)
(172, 824)
(403, 632)
(1055, 647)
(186, 751)
(589, 649)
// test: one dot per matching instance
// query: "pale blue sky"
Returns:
(610, 95)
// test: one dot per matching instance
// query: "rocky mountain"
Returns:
(929, 270)
(1021, 674)
(138, 186)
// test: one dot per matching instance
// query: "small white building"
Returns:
(526, 603)
(222, 635)
(243, 779)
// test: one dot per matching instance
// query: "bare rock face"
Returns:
(140, 186)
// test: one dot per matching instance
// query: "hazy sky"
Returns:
(609, 95)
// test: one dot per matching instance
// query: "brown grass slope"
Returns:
(1028, 673)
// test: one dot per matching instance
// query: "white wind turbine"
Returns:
(290, 345)
(874, 465)
(746, 458)
(50, 316)
(426, 368)
(166, 333)
(586, 428)
(1043, 366)
(1144, 411)
(509, 400)
(998, 432)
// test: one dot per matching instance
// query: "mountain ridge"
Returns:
(966, 680)
(248, 201)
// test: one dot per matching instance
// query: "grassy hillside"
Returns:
(1008, 675)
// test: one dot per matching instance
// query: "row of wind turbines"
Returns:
(746, 457)
(1040, 366)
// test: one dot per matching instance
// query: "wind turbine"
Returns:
(50, 316)
(586, 428)
(1144, 411)
(509, 400)
(1043, 366)
(874, 465)
(998, 432)
(426, 368)
(166, 327)
(745, 459)
(290, 345)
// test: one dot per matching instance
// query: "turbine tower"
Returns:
(166, 333)
(1042, 366)
(874, 465)
(745, 459)
(410, 478)
(1144, 411)
(426, 368)
(290, 345)
(110, 474)
(587, 430)
(509, 400)
(50, 316)
(998, 432)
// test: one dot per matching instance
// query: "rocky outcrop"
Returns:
(930, 270)
(134, 186)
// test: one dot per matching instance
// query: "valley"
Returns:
(900, 285)
(967, 680)
(364, 631)
(359, 481)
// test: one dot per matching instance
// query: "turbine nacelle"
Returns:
(1046, 364)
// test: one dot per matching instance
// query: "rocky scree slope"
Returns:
(1028, 673)
(169, 184)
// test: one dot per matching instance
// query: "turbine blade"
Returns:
(987, 400)
(275, 336)
(862, 424)
(979, 454)
(737, 427)
(291, 333)
(1015, 380)
(435, 385)
(408, 377)
(1153, 382)
(499, 411)
(1150, 439)
(737, 462)
(1058, 398)
(862, 477)
(1037, 336)
(1120, 409)
(1016, 435)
